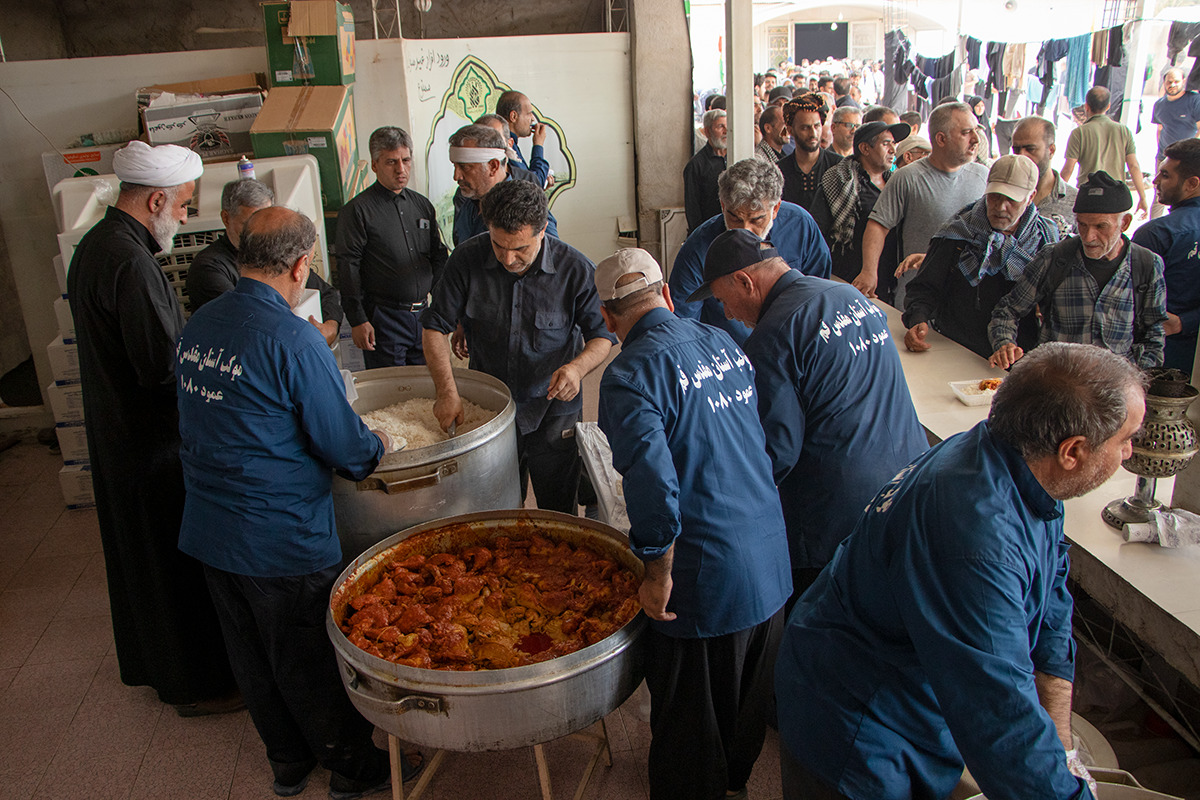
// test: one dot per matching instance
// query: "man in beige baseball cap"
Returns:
(976, 258)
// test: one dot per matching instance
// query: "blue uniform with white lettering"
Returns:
(794, 234)
(915, 649)
(679, 410)
(1176, 238)
(835, 406)
(265, 423)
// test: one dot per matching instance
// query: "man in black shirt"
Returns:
(700, 201)
(390, 253)
(214, 270)
(803, 171)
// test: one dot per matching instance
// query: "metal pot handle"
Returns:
(412, 702)
(374, 482)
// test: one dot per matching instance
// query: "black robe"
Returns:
(127, 320)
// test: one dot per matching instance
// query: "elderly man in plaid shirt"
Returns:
(1095, 288)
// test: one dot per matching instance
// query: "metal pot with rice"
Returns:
(435, 475)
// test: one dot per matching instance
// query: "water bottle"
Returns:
(245, 168)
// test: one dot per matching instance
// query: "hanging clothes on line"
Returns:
(995, 65)
(972, 45)
(895, 53)
(1014, 65)
(1079, 68)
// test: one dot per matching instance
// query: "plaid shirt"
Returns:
(1080, 311)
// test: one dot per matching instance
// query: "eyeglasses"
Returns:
(851, 125)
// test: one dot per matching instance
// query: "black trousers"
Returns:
(397, 338)
(799, 783)
(552, 463)
(709, 701)
(285, 666)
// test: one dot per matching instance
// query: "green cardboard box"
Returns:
(309, 43)
(319, 121)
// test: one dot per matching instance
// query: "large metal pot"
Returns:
(1115, 784)
(496, 709)
(475, 471)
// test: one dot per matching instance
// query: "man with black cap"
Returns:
(834, 404)
(975, 260)
(677, 405)
(848, 192)
(1095, 288)
(127, 320)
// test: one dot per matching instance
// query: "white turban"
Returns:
(162, 166)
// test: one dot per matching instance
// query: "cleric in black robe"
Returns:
(127, 320)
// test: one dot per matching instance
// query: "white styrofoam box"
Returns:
(78, 163)
(60, 272)
(64, 361)
(76, 483)
(309, 305)
(72, 441)
(66, 400)
(66, 323)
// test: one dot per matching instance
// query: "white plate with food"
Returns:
(978, 392)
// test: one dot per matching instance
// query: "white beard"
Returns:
(164, 227)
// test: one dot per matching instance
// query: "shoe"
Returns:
(218, 705)
(290, 791)
(413, 766)
(740, 795)
(291, 778)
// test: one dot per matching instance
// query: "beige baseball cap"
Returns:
(913, 142)
(627, 261)
(1013, 176)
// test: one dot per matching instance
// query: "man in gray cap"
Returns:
(127, 321)
(677, 406)
(834, 404)
(976, 258)
(1095, 288)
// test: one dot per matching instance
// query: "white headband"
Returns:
(476, 155)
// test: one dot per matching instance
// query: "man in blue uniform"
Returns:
(678, 408)
(750, 193)
(531, 319)
(1176, 239)
(265, 422)
(940, 634)
(834, 404)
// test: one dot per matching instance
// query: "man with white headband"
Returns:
(480, 157)
(127, 321)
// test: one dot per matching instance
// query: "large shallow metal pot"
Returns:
(1115, 784)
(496, 709)
(475, 471)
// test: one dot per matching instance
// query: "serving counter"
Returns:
(1151, 590)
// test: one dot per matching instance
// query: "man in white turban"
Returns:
(127, 321)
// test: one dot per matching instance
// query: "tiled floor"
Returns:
(70, 729)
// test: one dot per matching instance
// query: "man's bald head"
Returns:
(274, 239)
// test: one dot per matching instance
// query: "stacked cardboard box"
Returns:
(310, 108)
(212, 117)
(66, 401)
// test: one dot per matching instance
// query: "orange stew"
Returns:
(517, 601)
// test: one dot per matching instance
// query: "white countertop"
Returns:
(1154, 591)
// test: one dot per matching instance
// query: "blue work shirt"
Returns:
(1176, 238)
(915, 649)
(538, 164)
(520, 328)
(677, 405)
(265, 422)
(794, 234)
(468, 221)
(838, 417)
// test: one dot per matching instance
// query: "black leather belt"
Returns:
(414, 307)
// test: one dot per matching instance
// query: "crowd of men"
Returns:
(753, 393)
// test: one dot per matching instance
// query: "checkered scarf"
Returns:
(841, 184)
(989, 252)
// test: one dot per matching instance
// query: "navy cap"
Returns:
(729, 252)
